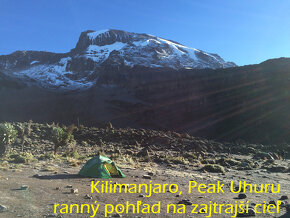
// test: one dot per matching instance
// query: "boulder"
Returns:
(263, 155)
(3, 208)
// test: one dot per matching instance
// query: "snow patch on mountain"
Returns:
(95, 34)
(100, 53)
(53, 76)
(34, 62)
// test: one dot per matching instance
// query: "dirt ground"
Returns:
(34, 182)
(49, 188)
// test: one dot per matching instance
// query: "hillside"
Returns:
(249, 102)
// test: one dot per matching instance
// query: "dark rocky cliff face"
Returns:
(250, 102)
(110, 37)
(23, 59)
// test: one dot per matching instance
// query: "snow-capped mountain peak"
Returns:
(96, 49)
(144, 49)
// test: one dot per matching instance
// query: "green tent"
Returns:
(101, 167)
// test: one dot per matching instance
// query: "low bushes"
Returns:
(60, 137)
(8, 135)
(214, 168)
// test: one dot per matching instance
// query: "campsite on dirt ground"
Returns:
(34, 179)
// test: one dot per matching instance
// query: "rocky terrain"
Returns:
(33, 178)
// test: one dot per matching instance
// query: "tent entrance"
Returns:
(111, 170)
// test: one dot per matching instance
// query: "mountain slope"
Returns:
(79, 68)
(120, 47)
(250, 102)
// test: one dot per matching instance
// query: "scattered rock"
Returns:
(283, 197)
(202, 211)
(251, 212)
(3, 208)
(24, 187)
(185, 202)
(87, 196)
(69, 186)
(74, 191)
(272, 202)
(141, 196)
(282, 204)
(146, 177)
(277, 169)
(263, 155)
(242, 196)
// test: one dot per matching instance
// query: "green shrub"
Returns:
(47, 156)
(8, 135)
(72, 154)
(28, 128)
(20, 127)
(190, 156)
(60, 137)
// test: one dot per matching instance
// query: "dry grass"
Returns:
(4, 166)
(49, 168)
(22, 157)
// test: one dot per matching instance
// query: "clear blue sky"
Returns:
(243, 31)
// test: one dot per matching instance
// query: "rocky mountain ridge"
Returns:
(95, 50)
